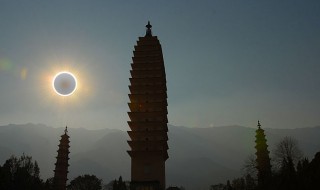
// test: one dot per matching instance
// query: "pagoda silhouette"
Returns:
(61, 170)
(148, 115)
(262, 159)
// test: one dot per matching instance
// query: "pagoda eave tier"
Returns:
(143, 89)
(64, 140)
(147, 73)
(148, 48)
(142, 153)
(141, 106)
(159, 97)
(151, 53)
(148, 116)
(151, 135)
(149, 152)
(148, 107)
(147, 81)
(143, 125)
(153, 145)
(147, 65)
(61, 169)
(147, 59)
(148, 40)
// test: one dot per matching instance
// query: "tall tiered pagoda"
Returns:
(263, 159)
(148, 115)
(61, 170)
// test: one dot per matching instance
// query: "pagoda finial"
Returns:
(148, 31)
(66, 130)
(259, 125)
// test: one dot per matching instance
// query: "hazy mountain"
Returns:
(198, 157)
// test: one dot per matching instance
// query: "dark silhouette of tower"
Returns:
(61, 170)
(148, 114)
(263, 159)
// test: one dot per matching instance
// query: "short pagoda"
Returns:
(148, 114)
(61, 170)
(263, 159)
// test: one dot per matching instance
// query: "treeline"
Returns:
(22, 173)
(290, 171)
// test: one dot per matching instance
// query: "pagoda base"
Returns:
(145, 185)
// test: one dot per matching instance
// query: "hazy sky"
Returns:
(227, 61)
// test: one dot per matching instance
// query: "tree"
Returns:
(302, 166)
(229, 187)
(219, 186)
(287, 150)
(20, 173)
(250, 166)
(115, 185)
(108, 186)
(250, 182)
(238, 184)
(287, 178)
(48, 185)
(119, 185)
(312, 174)
(85, 182)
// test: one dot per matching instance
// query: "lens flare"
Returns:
(23, 73)
(5, 65)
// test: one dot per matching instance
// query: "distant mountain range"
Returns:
(198, 157)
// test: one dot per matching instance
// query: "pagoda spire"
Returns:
(61, 170)
(148, 30)
(262, 158)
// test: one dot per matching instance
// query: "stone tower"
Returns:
(61, 170)
(263, 159)
(148, 114)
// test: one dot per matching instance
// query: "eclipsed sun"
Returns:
(64, 83)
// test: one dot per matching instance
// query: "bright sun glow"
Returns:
(73, 88)
(64, 83)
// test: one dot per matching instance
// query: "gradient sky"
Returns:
(227, 62)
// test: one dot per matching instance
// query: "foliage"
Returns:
(85, 182)
(287, 150)
(286, 179)
(250, 182)
(20, 173)
(250, 166)
(119, 185)
(48, 185)
(238, 184)
(293, 172)
(247, 183)
(219, 186)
